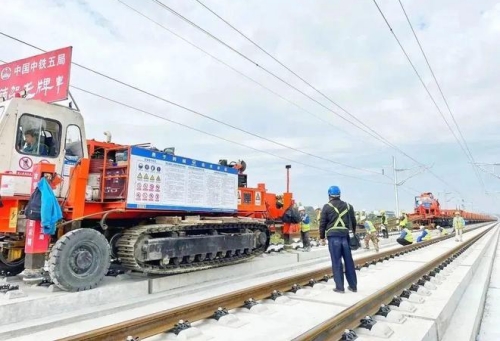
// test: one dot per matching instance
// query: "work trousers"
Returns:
(373, 237)
(458, 234)
(306, 242)
(403, 241)
(339, 249)
(385, 233)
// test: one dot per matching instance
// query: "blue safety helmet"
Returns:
(334, 191)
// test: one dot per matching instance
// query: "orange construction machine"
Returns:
(428, 212)
(150, 210)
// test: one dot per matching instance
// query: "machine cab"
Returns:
(32, 131)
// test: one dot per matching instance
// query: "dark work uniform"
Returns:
(337, 217)
(385, 221)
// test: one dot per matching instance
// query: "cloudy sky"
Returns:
(344, 49)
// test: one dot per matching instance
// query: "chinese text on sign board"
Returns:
(44, 77)
(167, 182)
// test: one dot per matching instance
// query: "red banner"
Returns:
(44, 77)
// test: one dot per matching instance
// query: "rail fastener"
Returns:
(336, 327)
(164, 321)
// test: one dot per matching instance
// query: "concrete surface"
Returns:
(465, 320)
(433, 317)
(268, 321)
(134, 291)
(129, 290)
(490, 319)
(442, 305)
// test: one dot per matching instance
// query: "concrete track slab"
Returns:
(442, 304)
(90, 317)
(465, 320)
(490, 317)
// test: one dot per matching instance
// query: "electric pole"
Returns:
(400, 183)
(394, 171)
(444, 198)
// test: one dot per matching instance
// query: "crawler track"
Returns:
(163, 321)
(129, 243)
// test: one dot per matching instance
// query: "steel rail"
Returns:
(163, 321)
(334, 327)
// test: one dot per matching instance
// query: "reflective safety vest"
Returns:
(458, 222)
(304, 227)
(427, 236)
(318, 216)
(409, 235)
(404, 221)
(384, 220)
(339, 224)
(444, 232)
(371, 228)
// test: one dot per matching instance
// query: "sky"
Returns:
(343, 49)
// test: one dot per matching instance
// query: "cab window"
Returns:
(38, 136)
(74, 146)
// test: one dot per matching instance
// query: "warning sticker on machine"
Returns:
(258, 201)
(68, 167)
(167, 182)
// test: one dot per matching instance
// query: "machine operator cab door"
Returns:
(32, 131)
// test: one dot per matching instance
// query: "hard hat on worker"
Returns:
(301, 208)
(334, 191)
(422, 227)
(457, 213)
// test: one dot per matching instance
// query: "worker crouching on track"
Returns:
(425, 235)
(442, 231)
(406, 237)
(337, 217)
(458, 226)
(305, 227)
(371, 234)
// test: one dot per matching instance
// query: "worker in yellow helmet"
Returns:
(317, 210)
(458, 225)
(371, 234)
(403, 220)
(383, 224)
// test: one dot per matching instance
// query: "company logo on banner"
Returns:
(44, 77)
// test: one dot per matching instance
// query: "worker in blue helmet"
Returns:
(337, 218)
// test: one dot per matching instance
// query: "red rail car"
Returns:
(428, 212)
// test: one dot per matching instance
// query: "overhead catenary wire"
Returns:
(288, 69)
(133, 87)
(219, 137)
(419, 77)
(234, 69)
(468, 153)
(375, 134)
(230, 67)
(223, 138)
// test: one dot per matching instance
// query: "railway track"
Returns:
(342, 325)
(175, 320)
